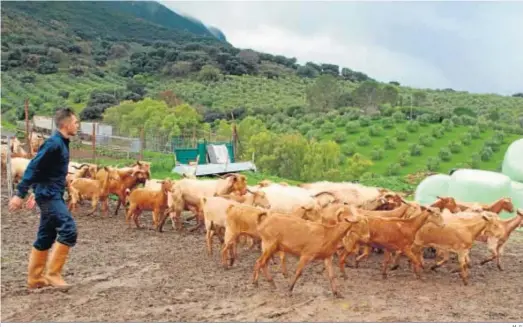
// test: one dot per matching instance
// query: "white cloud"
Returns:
(373, 60)
(474, 46)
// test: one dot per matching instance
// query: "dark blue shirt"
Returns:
(47, 170)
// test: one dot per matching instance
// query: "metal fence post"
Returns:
(94, 142)
(8, 169)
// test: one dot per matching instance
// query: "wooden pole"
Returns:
(94, 142)
(27, 137)
(8, 169)
(142, 141)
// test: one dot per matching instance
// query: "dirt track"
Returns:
(129, 275)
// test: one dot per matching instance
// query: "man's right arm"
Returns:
(35, 168)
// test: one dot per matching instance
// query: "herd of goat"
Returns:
(313, 221)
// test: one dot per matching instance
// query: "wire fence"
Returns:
(97, 142)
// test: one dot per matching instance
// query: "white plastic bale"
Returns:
(472, 185)
(517, 197)
(432, 187)
(513, 161)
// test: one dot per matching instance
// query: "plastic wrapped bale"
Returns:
(517, 197)
(472, 185)
(517, 194)
(432, 187)
(513, 161)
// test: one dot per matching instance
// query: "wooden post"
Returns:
(94, 142)
(234, 141)
(27, 136)
(142, 143)
(8, 169)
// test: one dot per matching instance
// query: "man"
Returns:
(46, 173)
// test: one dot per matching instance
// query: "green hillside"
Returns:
(303, 122)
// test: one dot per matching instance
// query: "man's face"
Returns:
(71, 126)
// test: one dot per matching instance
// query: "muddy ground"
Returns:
(129, 275)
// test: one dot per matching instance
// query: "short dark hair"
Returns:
(62, 114)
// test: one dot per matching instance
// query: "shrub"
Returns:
(398, 117)
(339, 137)
(393, 169)
(304, 128)
(415, 149)
(447, 124)
(318, 122)
(376, 154)
(486, 153)
(426, 140)
(27, 79)
(466, 139)
(433, 163)
(412, 126)
(469, 121)
(328, 128)
(455, 146)
(482, 124)
(364, 121)
(424, 119)
(352, 127)
(474, 161)
(456, 120)
(64, 94)
(47, 67)
(438, 131)
(500, 136)
(375, 130)
(390, 143)
(475, 132)
(388, 123)
(348, 149)
(313, 134)
(445, 154)
(363, 140)
(401, 135)
(494, 144)
(404, 158)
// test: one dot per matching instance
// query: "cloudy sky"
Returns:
(469, 46)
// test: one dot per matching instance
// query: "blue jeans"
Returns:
(55, 219)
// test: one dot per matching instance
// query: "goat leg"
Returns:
(301, 264)
(330, 273)
(386, 262)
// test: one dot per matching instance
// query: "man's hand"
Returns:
(15, 203)
(30, 203)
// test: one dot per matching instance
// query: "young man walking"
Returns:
(46, 173)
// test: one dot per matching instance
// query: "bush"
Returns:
(493, 144)
(318, 122)
(398, 117)
(313, 134)
(328, 128)
(339, 137)
(482, 124)
(474, 161)
(364, 121)
(388, 123)
(447, 124)
(47, 67)
(64, 94)
(455, 146)
(376, 154)
(390, 143)
(348, 149)
(27, 79)
(433, 164)
(424, 119)
(486, 153)
(401, 135)
(466, 139)
(456, 120)
(500, 137)
(426, 140)
(415, 149)
(393, 169)
(469, 121)
(363, 140)
(375, 130)
(304, 128)
(445, 154)
(404, 158)
(352, 127)
(438, 131)
(412, 126)
(475, 132)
